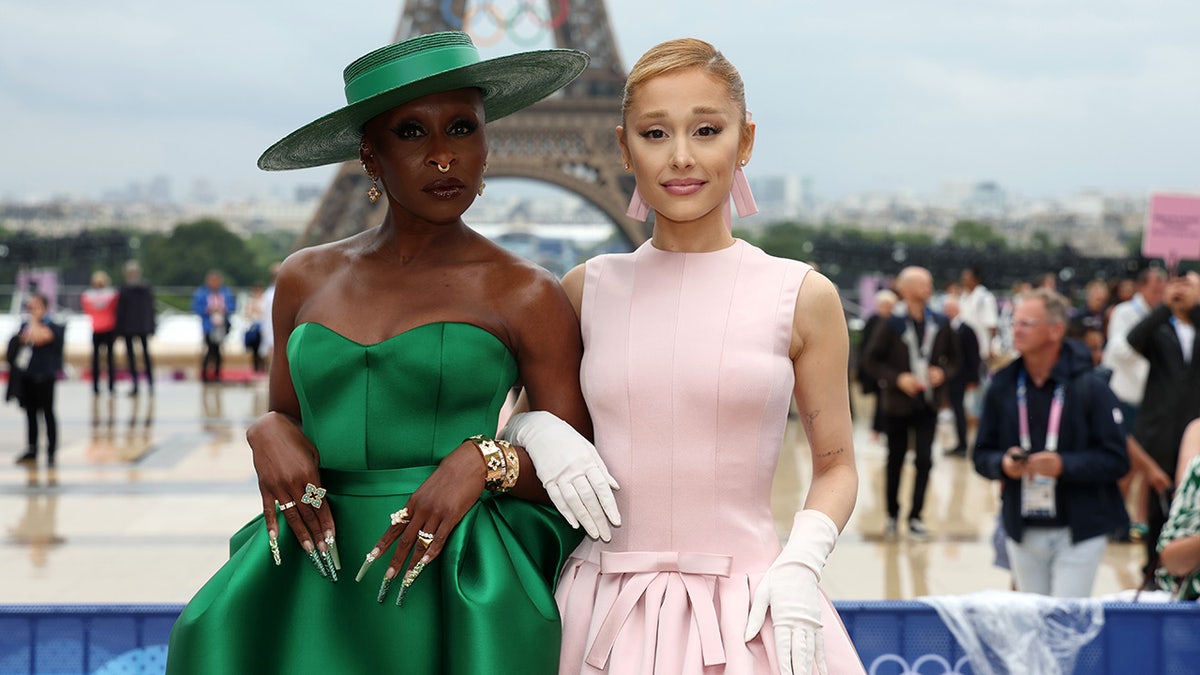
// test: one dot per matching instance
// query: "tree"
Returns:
(975, 234)
(266, 248)
(1134, 245)
(192, 249)
(787, 240)
(1040, 241)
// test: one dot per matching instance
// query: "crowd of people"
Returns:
(1081, 411)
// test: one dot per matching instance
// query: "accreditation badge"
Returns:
(1037, 497)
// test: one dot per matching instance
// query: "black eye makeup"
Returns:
(408, 129)
(462, 127)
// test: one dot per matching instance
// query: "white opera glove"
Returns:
(790, 588)
(570, 469)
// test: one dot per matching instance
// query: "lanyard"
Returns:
(1052, 425)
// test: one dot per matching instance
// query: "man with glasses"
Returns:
(1051, 432)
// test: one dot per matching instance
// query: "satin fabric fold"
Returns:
(647, 568)
(487, 597)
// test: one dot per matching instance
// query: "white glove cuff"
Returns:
(522, 426)
(813, 537)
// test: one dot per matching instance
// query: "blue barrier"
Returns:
(893, 638)
(909, 638)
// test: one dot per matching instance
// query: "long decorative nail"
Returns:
(366, 564)
(332, 545)
(273, 542)
(383, 588)
(315, 558)
(328, 560)
(410, 578)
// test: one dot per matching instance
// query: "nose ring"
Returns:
(441, 168)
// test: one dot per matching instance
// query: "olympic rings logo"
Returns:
(525, 22)
(880, 663)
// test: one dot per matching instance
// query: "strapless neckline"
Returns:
(405, 333)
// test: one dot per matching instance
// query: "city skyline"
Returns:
(1043, 98)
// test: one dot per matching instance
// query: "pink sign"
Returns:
(1172, 228)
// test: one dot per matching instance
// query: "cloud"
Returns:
(1042, 96)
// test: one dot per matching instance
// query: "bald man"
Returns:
(912, 357)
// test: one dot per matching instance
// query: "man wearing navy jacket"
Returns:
(1051, 431)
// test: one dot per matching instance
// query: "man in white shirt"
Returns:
(977, 307)
(1128, 367)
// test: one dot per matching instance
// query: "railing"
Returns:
(892, 638)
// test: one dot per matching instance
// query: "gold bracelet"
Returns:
(512, 468)
(493, 459)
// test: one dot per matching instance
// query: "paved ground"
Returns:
(148, 490)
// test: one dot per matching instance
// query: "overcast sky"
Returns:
(1046, 97)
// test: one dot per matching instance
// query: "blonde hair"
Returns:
(100, 279)
(680, 54)
(1057, 306)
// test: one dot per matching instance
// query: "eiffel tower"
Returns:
(566, 140)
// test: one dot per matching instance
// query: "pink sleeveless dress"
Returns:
(688, 380)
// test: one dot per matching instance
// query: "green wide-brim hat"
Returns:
(408, 70)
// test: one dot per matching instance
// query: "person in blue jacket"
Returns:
(214, 302)
(1051, 431)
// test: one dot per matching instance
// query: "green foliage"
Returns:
(185, 256)
(788, 240)
(914, 238)
(1040, 241)
(267, 248)
(1134, 245)
(975, 234)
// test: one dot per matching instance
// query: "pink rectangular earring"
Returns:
(638, 208)
(743, 199)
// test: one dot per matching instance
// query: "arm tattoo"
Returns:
(809, 419)
(831, 453)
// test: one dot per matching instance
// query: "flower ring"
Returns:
(313, 495)
(400, 517)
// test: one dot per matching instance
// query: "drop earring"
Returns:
(638, 208)
(373, 192)
(743, 199)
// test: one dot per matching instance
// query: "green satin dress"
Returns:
(382, 416)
